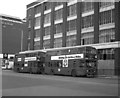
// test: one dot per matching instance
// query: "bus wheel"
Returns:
(73, 73)
(18, 70)
(42, 71)
(30, 70)
(51, 72)
(89, 75)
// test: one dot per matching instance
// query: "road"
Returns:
(23, 84)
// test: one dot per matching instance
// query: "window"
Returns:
(106, 17)
(36, 45)
(71, 25)
(71, 40)
(37, 9)
(47, 31)
(47, 18)
(28, 45)
(37, 21)
(29, 34)
(105, 4)
(87, 6)
(57, 42)
(87, 38)
(37, 33)
(58, 28)
(47, 5)
(46, 44)
(72, 10)
(87, 21)
(29, 12)
(106, 54)
(58, 14)
(58, 3)
(29, 23)
(106, 35)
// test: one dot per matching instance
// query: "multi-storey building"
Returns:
(11, 34)
(61, 24)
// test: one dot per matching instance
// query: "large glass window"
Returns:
(72, 10)
(71, 25)
(28, 45)
(46, 44)
(87, 6)
(47, 18)
(37, 21)
(29, 12)
(29, 23)
(58, 14)
(58, 28)
(37, 9)
(106, 17)
(47, 5)
(71, 40)
(105, 4)
(29, 34)
(57, 42)
(87, 21)
(106, 54)
(87, 38)
(36, 45)
(106, 35)
(47, 30)
(37, 33)
(58, 3)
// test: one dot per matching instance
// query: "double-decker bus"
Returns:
(74, 61)
(29, 61)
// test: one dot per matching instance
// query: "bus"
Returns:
(29, 61)
(74, 61)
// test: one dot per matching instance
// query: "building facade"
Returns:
(62, 24)
(11, 31)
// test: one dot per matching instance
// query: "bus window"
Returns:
(59, 64)
(82, 64)
(73, 51)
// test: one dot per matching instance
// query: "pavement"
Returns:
(108, 77)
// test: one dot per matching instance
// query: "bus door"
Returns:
(81, 68)
(40, 67)
(33, 66)
(64, 69)
(91, 68)
(57, 66)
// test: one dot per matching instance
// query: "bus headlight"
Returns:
(87, 70)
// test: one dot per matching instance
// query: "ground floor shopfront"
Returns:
(108, 58)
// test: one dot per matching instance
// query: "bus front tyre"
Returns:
(30, 70)
(51, 72)
(89, 75)
(18, 70)
(73, 73)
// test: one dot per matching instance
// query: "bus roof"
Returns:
(32, 51)
(54, 49)
(62, 48)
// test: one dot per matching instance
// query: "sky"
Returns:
(15, 8)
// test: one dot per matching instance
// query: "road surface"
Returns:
(23, 84)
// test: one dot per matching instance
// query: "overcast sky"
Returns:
(15, 8)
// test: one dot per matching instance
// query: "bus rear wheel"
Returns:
(18, 70)
(51, 72)
(74, 73)
(89, 75)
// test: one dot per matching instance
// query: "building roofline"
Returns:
(35, 3)
(14, 17)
